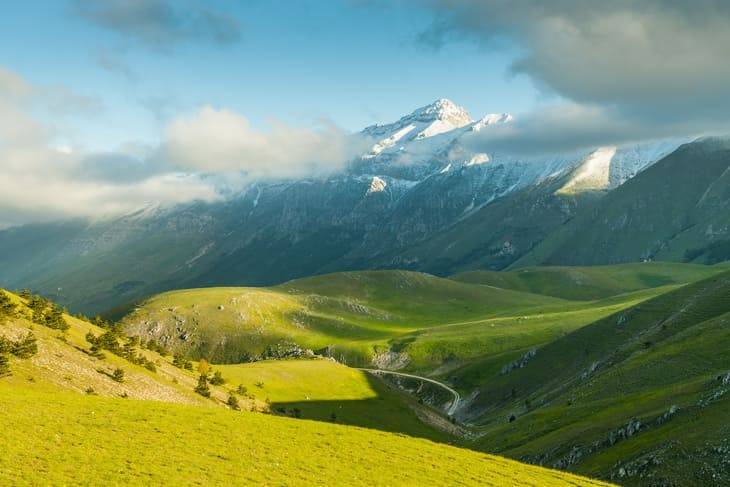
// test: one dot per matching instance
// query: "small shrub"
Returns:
(241, 390)
(217, 379)
(90, 391)
(233, 403)
(118, 375)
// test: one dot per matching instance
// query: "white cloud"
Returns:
(637, 68)
(200, 157)
(43, 181)
(220, 141)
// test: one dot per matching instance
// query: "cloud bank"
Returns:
(222, 141)
(199, 156)
(630, 69)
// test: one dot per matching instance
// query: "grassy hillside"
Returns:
(397, 319)
(638, 397)
(588, 283)
(101, 441)
(355, 313)
(64, 361)
(316, 388)
(677, 210)
(324, 390)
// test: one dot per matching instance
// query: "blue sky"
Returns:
(351, 62)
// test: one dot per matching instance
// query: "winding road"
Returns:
(457, 397)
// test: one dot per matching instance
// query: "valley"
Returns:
(580, 369)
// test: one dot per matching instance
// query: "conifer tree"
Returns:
(202, 387)
(26, 347)
(7, 307)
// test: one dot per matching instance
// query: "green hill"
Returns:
(65, 361)
(398, 319)
(588, 283)
(638, 397)
(63, 438)
(355, 314)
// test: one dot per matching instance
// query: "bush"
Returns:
(217, 379)
(233, 402)
(241, 390)
(202, 387)
(179, 361)
(118, 375)
(26, 347)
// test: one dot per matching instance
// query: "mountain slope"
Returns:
(418, 184)
(638, 397)
(678, 209)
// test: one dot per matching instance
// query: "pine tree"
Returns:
(25, 348)
(202, 387)
(7, 307)
(54, 319)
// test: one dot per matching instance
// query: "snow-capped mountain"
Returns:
(418, 198)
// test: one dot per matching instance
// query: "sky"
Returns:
(108, 105)
(354, 63)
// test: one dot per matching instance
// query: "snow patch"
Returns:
(477, 159)
(593, 173)
(376, 185)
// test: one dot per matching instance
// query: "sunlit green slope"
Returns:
(586, 283)
(65, 438)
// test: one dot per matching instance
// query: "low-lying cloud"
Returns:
(222, 141)
(200, 157)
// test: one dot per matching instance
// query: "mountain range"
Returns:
(419, 199)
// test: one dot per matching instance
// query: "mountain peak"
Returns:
(445, 110)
